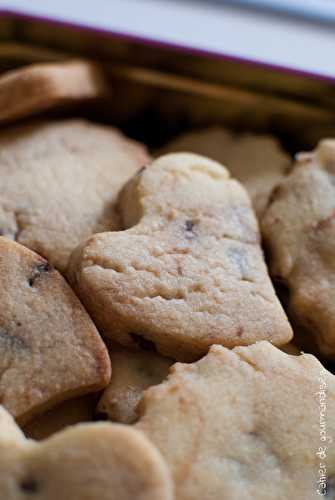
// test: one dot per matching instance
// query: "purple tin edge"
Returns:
(167, 45)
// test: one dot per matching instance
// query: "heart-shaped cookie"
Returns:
(101, 461)
(189, 272)
(49, 348)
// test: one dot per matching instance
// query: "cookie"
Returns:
(245, 423)
(59, 182)
(38, 87)
(189, 270)
(257, 161)
(49, 348)
(133, 372)
(73, 411)
(88, 461)
(298, 231)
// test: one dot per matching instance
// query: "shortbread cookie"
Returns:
(59, 182)
(32, 89)
(101, 461)
(258, 161)
(73, 411)
(298, 230)
(244, 424)
(49, 348)
(189, 273)
(133, 372)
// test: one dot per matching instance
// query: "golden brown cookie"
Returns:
(298, 230)
(73, 411)
(101, 461)
(257, 161)
(133, 372)
(245, 423)
(189, 272)
(59, 182)
(49, 348)
(32, 89)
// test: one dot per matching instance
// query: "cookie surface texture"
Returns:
(189, 272)
(49, 348)
(59, 182)
(88, 461)
(244, 423)
(298, 231)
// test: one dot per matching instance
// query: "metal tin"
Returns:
(159, 90)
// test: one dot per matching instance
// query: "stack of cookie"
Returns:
(136, 291)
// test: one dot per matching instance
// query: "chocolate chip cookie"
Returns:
(189, 270)
(59, 182)
(49, 348)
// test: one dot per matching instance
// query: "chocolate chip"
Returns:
(254, 434)
(11, 341)
(45, 267)
(29, 486)
(189, 226)
(143, 343)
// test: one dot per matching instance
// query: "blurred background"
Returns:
(297, 34)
